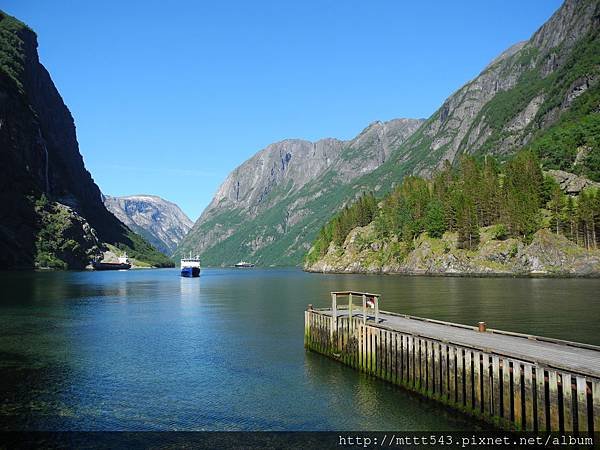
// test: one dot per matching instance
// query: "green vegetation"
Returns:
(511, 199)
(11, 45)
(60, 243)
(139, 249)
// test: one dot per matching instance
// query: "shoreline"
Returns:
(540, 275)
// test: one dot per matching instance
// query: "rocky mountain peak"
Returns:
(160, 221)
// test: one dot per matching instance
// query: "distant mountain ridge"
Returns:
(541, 93)
(160, 221)
(267, 209)
(51, 211)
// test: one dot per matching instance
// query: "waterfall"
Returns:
(47, 161)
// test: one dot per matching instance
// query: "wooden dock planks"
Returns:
(557, 391)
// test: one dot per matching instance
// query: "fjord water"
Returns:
(148, 350)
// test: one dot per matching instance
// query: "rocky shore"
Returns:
(548, 254)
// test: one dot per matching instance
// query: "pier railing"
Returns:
(509, 386)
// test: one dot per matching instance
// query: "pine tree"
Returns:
(435, 225)
(556, 204)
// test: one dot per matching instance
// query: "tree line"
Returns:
(515, 196)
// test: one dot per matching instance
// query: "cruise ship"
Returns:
(190, 267)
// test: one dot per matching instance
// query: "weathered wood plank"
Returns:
(411, 359)
(582, 417)
(506, 391)
(404, 339)
(437, 365)
(451, 374)
(469, 379)
(518, 398)
(496, 385)
(444, 358)
(567, 401)
(486, 381)
(553, 399)
(460, 379)
(430, 369)
(596, 404)
(529, 397)
(540, 380)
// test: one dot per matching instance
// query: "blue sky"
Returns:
(169, 97)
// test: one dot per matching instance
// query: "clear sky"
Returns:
(169, 97)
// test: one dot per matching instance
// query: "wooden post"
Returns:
(553, 400)
(444, 357)
(364, 299)
(517, 394)
(496, 385)
(567, 401)
(477, 381)
(374, 351)
(459, 377)
(411, 358)
(437, 365)
(486, 399)
(596, 404)
(430, 367)
(540, 380)
(451, 374)
(376, 300)
(529, 398)
(404, 357)
(423, 356)
(582, 422)
(350, 306)
(506, 391)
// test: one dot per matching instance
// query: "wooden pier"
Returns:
(515, 381)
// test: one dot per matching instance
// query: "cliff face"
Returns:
(551, 80)
(269, 208)
(39, 157)
(161, 222)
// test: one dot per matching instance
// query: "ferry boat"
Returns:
(190, 267)
(123, 264)
(244, 264)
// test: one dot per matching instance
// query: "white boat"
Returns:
(244, 264)
(190, 267)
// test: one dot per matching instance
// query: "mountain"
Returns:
(161, 222)
(268, 209)
(542, 93)
(51, 211)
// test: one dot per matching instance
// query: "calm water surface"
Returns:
(148, 350)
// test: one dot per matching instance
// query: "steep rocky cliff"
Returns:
(40, 163)
(161, 222)
(269, 208)
(542, 93)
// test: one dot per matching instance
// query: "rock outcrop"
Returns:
(39, 157)
(571, 183)
(548, 254)
(161, 222)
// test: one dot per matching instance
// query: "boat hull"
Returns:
(111, 266)
(190, 272)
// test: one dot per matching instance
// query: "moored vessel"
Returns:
(190, 267)
(123, 264)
